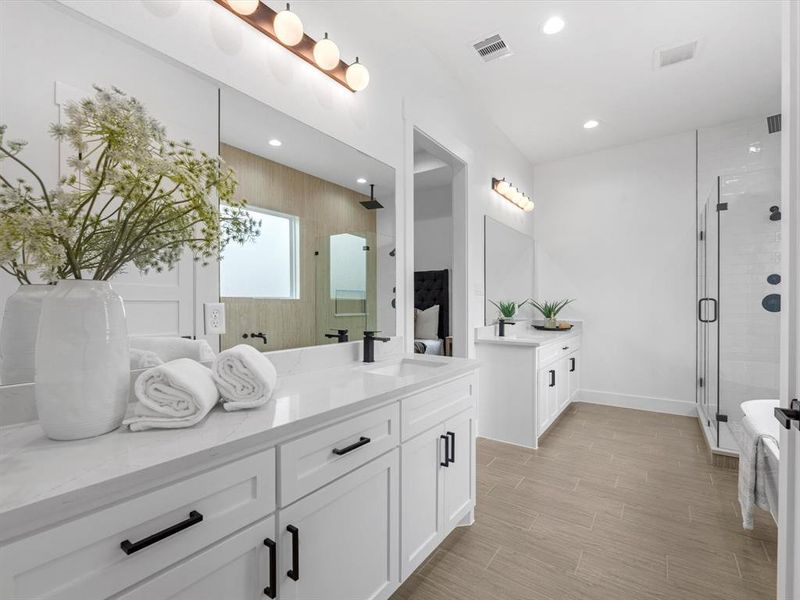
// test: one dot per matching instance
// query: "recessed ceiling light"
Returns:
(553, 25)
(591, 124)
(275, 142)
(361, 180)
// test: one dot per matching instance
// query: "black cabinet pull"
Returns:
(552, 378)
(446, 462)
(363, 441)
(452, 446)
(129, 547)
(294, 572)
(565, 348)
(272, 588)
(572, 364)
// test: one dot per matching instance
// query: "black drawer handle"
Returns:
(363, 441)
(452, 445)
(446, 462)
(572, 364)
(565, 348)
(129, 547)
(272, 588)
(294, 572)
(552, 378)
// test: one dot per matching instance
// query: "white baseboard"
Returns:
(661, 405)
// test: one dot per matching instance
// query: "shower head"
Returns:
(774, 213)
(371, 204)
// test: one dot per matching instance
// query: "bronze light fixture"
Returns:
(286, 29)
(512, 194)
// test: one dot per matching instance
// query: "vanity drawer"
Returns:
(555, 350)
(84, 558)
(424, 410)
(310, 462)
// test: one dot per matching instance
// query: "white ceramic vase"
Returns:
(82, 360)
(18, 333)
(551, 323)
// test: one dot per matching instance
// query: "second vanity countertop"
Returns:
(39, 475)
(523, 334)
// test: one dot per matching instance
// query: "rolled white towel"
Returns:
(170, 348)
(144, 359)
(245, 377)
(176, 394)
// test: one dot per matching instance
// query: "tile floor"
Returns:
(616, 504)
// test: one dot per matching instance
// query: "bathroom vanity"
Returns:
(338, 489)
(528, 378)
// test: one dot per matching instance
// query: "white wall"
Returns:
(615, 230)
(433, 228)
(408, 88)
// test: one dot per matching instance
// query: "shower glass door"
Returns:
(708, 311)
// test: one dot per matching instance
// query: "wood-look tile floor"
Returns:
(616, 504)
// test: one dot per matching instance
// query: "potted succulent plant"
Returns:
(133, 197)
(507, 309)
(550, 310)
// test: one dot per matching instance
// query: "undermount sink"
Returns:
(406, 367)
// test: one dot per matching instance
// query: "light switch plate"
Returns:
(214, 313)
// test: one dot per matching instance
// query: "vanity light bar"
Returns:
(512, 194)
(354, 77)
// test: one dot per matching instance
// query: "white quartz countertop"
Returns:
(39, 475)
(523, 334)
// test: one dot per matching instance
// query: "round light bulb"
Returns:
(326, 54)
(503, 186)
(243, 7)
(528, 206)
(288, 27)
(357, 76)
(591, 124)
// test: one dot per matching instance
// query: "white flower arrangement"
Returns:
(133, 197)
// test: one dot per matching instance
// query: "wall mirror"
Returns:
(324, 262)
(509, 268)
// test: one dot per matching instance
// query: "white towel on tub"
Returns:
(757, 474)
(177, 394)
(245, 377)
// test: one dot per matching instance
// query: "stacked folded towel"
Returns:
(144, 359)
(170, 348)
(177, 394)
(245, 377)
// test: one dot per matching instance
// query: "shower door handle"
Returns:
(700, 310)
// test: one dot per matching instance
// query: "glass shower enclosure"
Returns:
(738, 299)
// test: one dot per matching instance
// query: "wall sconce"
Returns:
(286, 28)
(512, 194)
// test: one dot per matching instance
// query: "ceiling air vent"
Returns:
(492, 48)
(665, 57)
(774, 123)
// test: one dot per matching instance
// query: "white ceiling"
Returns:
(601, 66)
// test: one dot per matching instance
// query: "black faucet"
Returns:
(501, 328)
(340, 335)
(263, 336)
(369, 345)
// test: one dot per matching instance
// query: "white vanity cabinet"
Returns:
(315, 516)
(527, 381)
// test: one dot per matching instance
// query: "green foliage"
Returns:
(550, 308)
(508, 308)
(133, 196)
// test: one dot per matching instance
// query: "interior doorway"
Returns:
(439, 200)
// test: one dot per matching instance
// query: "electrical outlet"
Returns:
(214, 313)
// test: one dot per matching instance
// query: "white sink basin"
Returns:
(406, 367)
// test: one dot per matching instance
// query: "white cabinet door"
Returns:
(458, 474)
(238, 567)
(544, 385)
(342, 540)
(573, 375)
(422, 497)
(562, 384)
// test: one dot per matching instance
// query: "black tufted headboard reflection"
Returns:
(433, 287)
